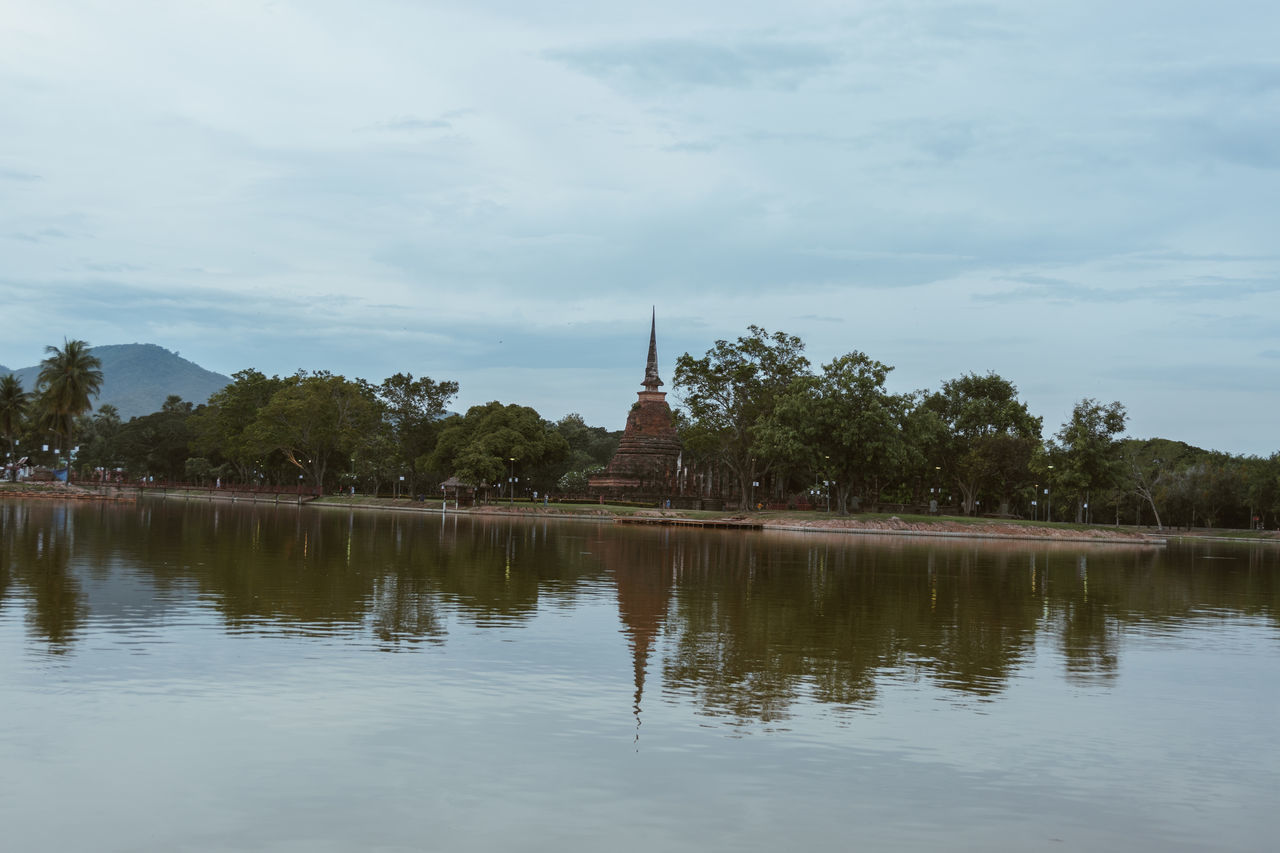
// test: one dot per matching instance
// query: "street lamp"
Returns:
(1048, 516)
(827, 483)
(511, 483)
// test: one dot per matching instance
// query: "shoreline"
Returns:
(881, 525)
(848, 525)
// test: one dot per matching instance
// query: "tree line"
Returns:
(753, 412)
(316, 430)
(783, 431)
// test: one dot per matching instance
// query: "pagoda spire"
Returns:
(651, 378)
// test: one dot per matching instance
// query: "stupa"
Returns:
(644, 466)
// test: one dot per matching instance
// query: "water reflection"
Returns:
(744, 626)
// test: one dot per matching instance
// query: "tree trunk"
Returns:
(843, 494)
(744, 483)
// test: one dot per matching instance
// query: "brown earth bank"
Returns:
(52, 491)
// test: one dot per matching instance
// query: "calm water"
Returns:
(224, 677)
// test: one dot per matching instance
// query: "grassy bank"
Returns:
(903, 523)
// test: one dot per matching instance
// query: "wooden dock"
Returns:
(723, 523)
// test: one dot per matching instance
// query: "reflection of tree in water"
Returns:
(1088, 632)
(327, 571)
(746, 624)
(35, 554)
(758, 622)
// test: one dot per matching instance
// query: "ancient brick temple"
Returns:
(645, 465)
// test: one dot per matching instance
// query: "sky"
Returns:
(1082, 197)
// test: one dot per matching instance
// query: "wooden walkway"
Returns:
(689, 522)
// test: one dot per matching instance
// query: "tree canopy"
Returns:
(315, 420)
(731, 391)
(493, 442)
(988, 436)
(70, 377)
(841, 426)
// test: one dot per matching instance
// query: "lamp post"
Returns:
(937, 475)
(1048, 516)
(511, 483)
(827, 482)
(1035, 492)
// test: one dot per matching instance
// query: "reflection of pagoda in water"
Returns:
(646, 462)
(644, 594)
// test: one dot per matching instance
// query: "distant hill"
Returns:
(136, 378)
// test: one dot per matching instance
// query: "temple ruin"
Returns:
(645, 466)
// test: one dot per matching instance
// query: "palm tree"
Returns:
(13, 411)
(69, 377)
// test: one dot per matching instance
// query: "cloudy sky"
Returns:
(1083, 197)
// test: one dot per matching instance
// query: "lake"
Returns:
(209, 676)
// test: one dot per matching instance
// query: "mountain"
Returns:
(136, 378)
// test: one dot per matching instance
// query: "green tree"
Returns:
(731, 391)
(989, 437)
(842, 423)
(220, 430)
(414, 409)
(13, 414)
(198, 470)
(923, 434)
(1262, 486)
(1087, 457)
(478, 448)
(315, 421)
(98, 443)
(1152, 469)
(157, 444)
(590, 449)
(68, 380)
(376, 460)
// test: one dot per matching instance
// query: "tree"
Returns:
(590, 449)
(414, 409)
(478, 448)
(315, 420)
(924, 434)
(1262, 486)
(1153, 469)
(68, 379)
(1087, 454)
(731, 391)
(13, 414)
(221, 428)
(989, 436)
(99, 448)
(158, 444)
(842, 423)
